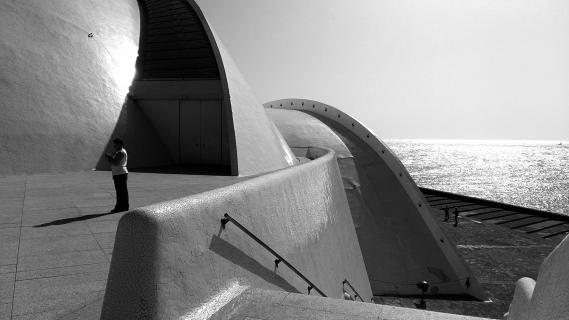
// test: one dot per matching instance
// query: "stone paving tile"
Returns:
(49, 315)
(9, 268)
(45, 211)
(10, 211)
(91, 311)
(5, 226)
(53, 293)
(56, 244)
(12, 203)
(102, 226)
(5, 311)
(64, 259)
(9, 235)
(11, 218)
(70, 229)
(45, 192)
(12, 194)
(6, 287)
(9, 238)
(106, 240)
(63, 271)
(47, 203)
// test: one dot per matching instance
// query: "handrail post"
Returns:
(356, 294)
(224, 221)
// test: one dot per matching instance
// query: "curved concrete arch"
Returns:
(388, 207)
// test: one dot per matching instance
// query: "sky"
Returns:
(427, 69)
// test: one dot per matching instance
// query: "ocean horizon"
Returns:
(527, 173)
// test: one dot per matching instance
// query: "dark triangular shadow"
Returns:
(70, 220)
(242, 259)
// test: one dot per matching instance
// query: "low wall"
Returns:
(173, 257)
(546, 298)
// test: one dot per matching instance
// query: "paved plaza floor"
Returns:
(56, 237)
(56, 242)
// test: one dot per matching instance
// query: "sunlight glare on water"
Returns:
(532, 174)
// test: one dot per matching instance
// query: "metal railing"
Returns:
(357, 295)
(226, 218)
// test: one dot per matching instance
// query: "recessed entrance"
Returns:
(191, 130)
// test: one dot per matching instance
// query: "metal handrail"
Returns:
(226, 218)
(353, 289)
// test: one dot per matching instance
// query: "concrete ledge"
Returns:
(522, 298)
(550, 293)
(242, 302)
(172, 257)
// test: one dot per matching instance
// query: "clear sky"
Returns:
(454, 69)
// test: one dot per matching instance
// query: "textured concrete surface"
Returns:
(56, 239)
(549, 294)
(171, 258)
(401, 243)
(241, 302)
(62, 91)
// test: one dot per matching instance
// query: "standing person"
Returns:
(118, 160)
(455, 216)
(446, 213)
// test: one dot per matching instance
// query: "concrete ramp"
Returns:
(401, 243)
(242, 302)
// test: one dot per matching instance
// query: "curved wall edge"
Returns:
(250, 130)
(546, 297)
(398, 169)
(185, 258)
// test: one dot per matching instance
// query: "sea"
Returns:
(533, 174)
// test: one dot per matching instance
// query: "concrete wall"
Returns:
(547, 298)
(400, 241)
(62, 91)
(172, 258)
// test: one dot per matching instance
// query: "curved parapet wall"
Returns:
(174, 259)
(547, 297)
(400, 241)
(66, 68)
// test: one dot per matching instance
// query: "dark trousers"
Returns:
(122, 191)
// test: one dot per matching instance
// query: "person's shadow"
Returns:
(70, 220)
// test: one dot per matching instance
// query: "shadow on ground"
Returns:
(240, 258)
(71, 220)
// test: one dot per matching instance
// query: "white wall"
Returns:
(172, 257)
